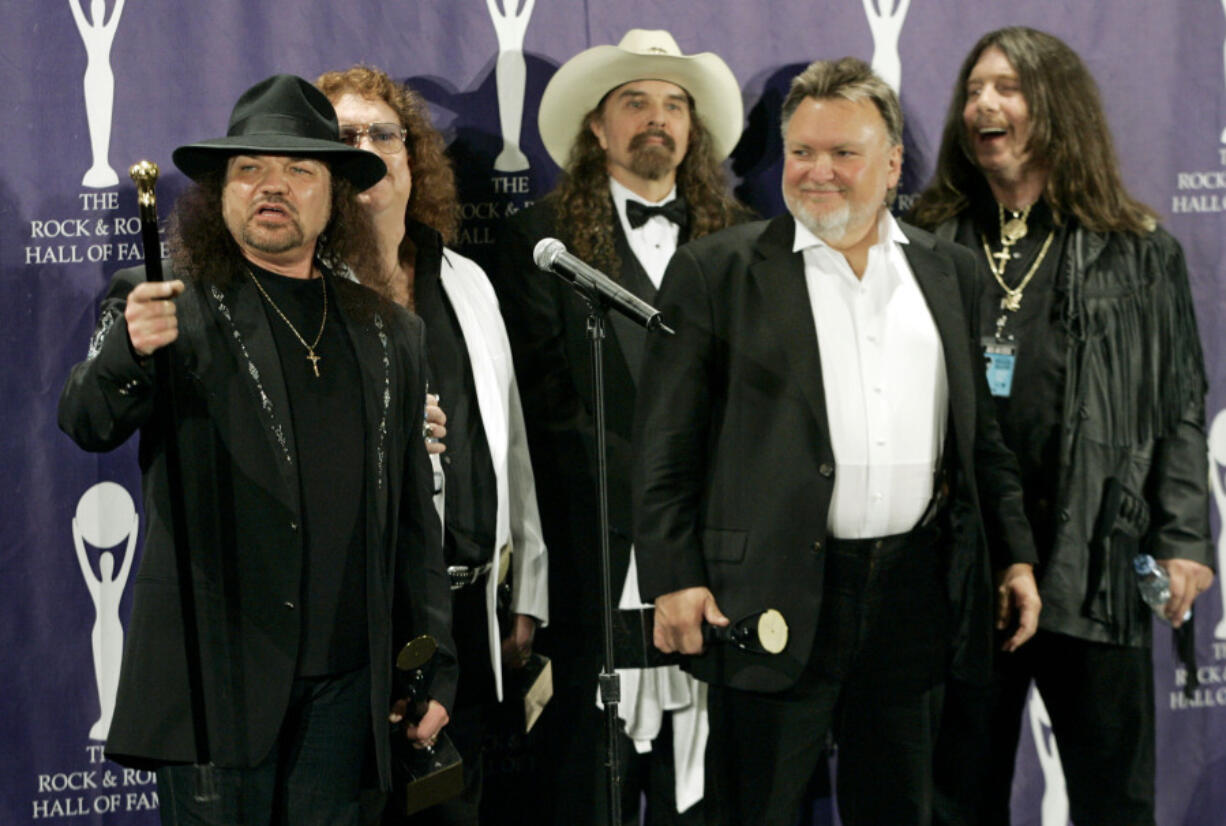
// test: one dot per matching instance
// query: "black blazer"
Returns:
(547, 326)
(243, 511)
(735, 468)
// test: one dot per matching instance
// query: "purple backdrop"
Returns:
(89, 92)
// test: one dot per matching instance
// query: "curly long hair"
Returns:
(584, 210)
(433, 200)
(202, 248)
(1068, 136)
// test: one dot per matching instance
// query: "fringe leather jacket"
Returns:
(1133, 412)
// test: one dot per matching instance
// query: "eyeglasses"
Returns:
(386, 138)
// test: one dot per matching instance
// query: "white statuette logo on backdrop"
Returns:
(98, 33)
(511, 24)
(1054, 808)
(1217, 464)
(106, 518)
(885, 19)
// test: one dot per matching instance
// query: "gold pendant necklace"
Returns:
(310, 348)
(1015, 228)
(1011, 301)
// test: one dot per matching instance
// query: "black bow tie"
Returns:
(637, 213)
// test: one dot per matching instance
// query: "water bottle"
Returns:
(1154, 584)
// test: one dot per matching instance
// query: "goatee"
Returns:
(652, 161)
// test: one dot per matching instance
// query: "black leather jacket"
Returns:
(1133, 410)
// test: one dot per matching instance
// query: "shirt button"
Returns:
(877, 497)
(826, 469)
(293, 526)
(1064, 515)
(817, 546)
(881, 443)
(289, 605)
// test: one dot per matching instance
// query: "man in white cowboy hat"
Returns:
(314, 546)
(640, 130)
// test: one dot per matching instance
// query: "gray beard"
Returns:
(830, 227)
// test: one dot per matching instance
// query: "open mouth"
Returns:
(990, 134)
(271, 212)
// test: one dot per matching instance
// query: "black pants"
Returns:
(873, 680)
(1100, 699)
(311, 776)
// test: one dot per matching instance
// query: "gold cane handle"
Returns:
(145, 176)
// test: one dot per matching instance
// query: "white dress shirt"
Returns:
(655, 241)
(883, 371)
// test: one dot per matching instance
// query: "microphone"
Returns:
(550, 254)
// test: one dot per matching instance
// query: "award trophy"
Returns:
(423, 776)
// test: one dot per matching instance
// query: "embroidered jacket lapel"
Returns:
(240, 312)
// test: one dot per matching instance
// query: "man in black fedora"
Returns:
(307, 488)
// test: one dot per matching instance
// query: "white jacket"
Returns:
(518, 520)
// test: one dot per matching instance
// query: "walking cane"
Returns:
(204, 788)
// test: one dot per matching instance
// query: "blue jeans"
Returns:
(311, 776)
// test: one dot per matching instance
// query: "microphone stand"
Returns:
(610, 683)
(601, 293)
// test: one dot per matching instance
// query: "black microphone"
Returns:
(550, 254)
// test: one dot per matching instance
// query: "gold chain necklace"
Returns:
(311, 357)
(1011, 301)
(1011, 232)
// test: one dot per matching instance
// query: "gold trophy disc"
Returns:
(772, 631)
(416, 653)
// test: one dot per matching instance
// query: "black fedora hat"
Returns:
(283, 115)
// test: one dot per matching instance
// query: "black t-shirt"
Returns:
(330, 447)
(1030, 417)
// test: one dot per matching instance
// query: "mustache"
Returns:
(639, 140)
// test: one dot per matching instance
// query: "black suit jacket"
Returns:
(547, 325)
(735, 468)
(241, 489)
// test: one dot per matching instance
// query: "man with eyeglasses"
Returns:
(306, 484)
(489, 506)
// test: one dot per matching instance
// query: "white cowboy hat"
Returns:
(581, 82)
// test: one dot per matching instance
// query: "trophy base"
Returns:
(533, 685)
(430, 776)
